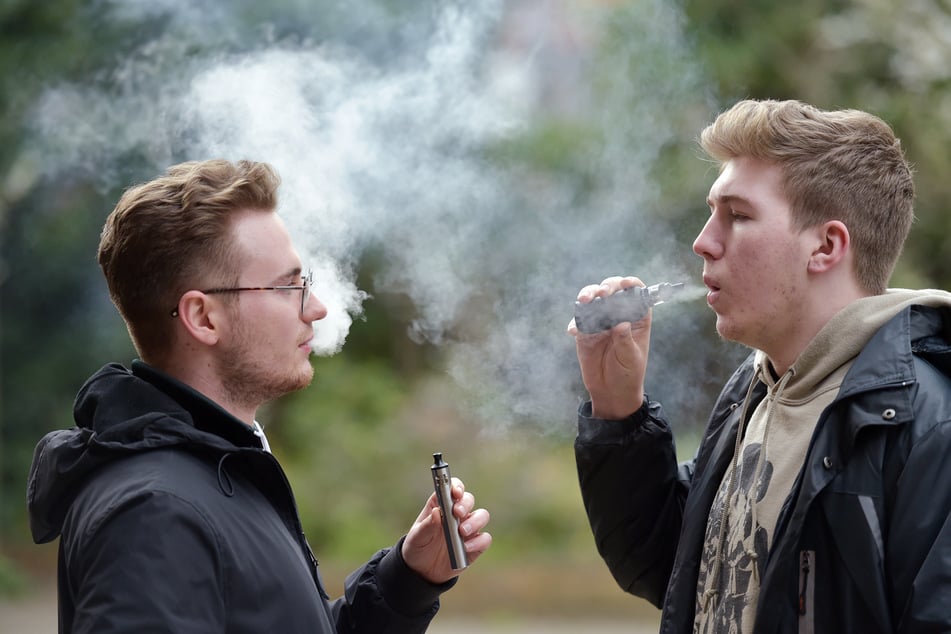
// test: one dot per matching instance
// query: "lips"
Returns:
(714, 289)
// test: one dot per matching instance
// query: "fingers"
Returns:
(608, 286)
(471, 522)
(471, 525)
(458, 488)
(477, 545)
(427, 511)
(464, 501)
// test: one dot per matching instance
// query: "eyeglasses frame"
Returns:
(307, 282)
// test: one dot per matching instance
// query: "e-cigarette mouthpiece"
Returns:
(442, 481)
(630, 304)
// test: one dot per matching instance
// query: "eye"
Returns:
(738, 216)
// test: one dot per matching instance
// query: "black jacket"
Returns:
(863, 544)
(172, 518)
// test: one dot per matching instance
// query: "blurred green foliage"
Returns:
(357, 445)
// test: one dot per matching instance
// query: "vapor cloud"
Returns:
(397, 150)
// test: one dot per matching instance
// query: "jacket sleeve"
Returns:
(385, 596)
(152, 567)
(633, 492)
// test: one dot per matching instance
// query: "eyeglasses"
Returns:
(306, 282)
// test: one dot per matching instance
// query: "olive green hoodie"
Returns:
(770, 453)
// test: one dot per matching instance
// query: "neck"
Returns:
(819, 305)
(202, 378)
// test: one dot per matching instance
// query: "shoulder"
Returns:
(931, 359)
(932, 398)
(160, 483)
(171, 469)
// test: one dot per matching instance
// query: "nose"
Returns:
(314, 309)
(707, 245)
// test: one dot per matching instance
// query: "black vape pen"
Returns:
(442, 481)
(632, 304)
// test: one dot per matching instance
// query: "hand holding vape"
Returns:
(442, 481)
(631, 304)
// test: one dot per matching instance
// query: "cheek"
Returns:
(762, 279)
(755, 261)
(775, 276)
(769, 257)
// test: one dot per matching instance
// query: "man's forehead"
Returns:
(264, 245)
(742, 176)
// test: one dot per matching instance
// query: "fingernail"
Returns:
(466, 528)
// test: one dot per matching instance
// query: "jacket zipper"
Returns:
(807, 584)
(294, 518)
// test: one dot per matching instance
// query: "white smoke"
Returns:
(399, 153)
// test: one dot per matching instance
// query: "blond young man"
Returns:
(818, 498)
(172, 514)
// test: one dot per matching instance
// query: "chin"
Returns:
(303, 378)
(726, 330)
(295, 382)
(307, 376)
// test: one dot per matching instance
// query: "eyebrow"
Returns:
(727, 199)
(282, 279)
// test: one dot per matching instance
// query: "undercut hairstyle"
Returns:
(173, 234)
(844, 165)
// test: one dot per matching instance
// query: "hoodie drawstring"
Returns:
(773, 398)
(713, 591)
(259, 432)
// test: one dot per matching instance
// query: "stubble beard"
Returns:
(249, 382)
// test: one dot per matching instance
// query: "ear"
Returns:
(832, 246)
(201, 317)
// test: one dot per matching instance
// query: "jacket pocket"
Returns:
(807, 587)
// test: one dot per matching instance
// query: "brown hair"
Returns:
(171, 235)
(842, 165)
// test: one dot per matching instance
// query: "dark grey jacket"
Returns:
(173, 519)
(863, 544)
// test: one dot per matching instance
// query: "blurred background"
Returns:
(455, 171)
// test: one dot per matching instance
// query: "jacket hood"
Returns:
(848, 332)
(117, 414)
(845, 336)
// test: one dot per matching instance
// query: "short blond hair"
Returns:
(845, 165)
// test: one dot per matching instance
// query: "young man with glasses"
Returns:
(173, 515)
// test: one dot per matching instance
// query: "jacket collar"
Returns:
(886, 365)
(206, 415)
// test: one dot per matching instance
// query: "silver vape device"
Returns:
(442, 481)
(632, 304)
